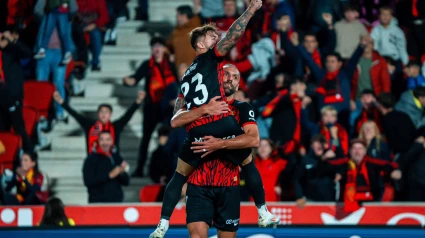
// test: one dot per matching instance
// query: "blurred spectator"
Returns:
(335, 134)
(361, 175)
(287, 107)
(56, 16)
(389, 39)
(376, 147)
(20, 12)
(416, 27)
(414, 162)
(104, 172)
(398, 82)
(367, 111)
(54, 214)
(117, 11)
(223, 22)
(270, 168)
(348, 30)
(311, 181)
(412, 102)
(262, 59)
(93, 17)
(12, 86)
(160, 167)
(142, 11)
(179, 43)
(397, 127)
(161, 77)
(415, 78)
(369, 10)
(92, 127)
(371, 74)
(334, 81)
(208, 8)
(28, 185)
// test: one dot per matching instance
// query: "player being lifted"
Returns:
(202, 82)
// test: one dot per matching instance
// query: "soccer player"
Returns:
(244, 115)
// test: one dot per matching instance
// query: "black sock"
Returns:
(172, 195)
(254, 184)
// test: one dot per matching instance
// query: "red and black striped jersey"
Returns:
(202, 81)
(219, 171)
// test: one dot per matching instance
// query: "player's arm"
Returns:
(250, 139)
(183, 117)
(237, 29)
(179, 104)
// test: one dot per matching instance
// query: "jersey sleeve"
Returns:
(246, 114)
(214, 55)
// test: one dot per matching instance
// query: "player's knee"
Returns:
(247, 160)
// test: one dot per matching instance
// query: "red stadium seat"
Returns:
(38, 95)
(149, 193)
(30, 118)
(12, 143)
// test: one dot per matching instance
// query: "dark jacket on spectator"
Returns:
(33, 190)
(379, 76)
(399, 130)
(89, 124)
(379, 151)
(312, 181)
(95, 8)
(100, 187)
(343, 78)
(13, 90)
(161, 164)
(414, 162)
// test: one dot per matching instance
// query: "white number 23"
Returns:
(199, 87)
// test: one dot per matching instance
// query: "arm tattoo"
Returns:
(179, 104)
(234, 33)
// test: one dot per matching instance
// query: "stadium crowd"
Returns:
(338, 89)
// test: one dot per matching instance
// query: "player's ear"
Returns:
(200, 45)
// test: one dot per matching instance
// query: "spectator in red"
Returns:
(376, 147)
(270, 168)
(93, 16)
(368, 111)
(12, 51)
(31, 185)
(371, 74)
(92, 127)
(336, 135)
(160, 76)
(286, 106)
(20, 12)
(361, 175)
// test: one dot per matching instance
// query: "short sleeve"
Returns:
(246, 114)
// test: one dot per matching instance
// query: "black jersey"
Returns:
(202, 81)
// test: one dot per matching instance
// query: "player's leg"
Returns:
(227, 210)
(199, 210)
(172, 196)
(254, 184)
(226, 234)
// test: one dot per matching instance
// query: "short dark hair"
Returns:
(104, 132)
(419, 92)
(385, 8)
(319, 138)
(336, 55)
(157, 40)
(295, 80)
(358, 141)
(185, 10)
(367, 91)
(198, 32)
(414, 63)
(387, 100)
(389, 60)
(107, 105)
(309, 33)
(351, 7)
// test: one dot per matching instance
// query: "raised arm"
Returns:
(238, 28)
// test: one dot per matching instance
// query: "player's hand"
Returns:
(255, 4)
(57, 97)
(140, 97)
(216, 107)
(295, 39)
(208, 145)
(301, 202)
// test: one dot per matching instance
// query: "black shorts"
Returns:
(219, 206)
(225, 128)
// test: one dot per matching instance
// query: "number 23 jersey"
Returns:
(202, 81)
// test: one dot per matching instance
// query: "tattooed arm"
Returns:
(178, 105)
(238, 28)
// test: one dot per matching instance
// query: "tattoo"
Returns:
(179, 105)
(234, 33)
